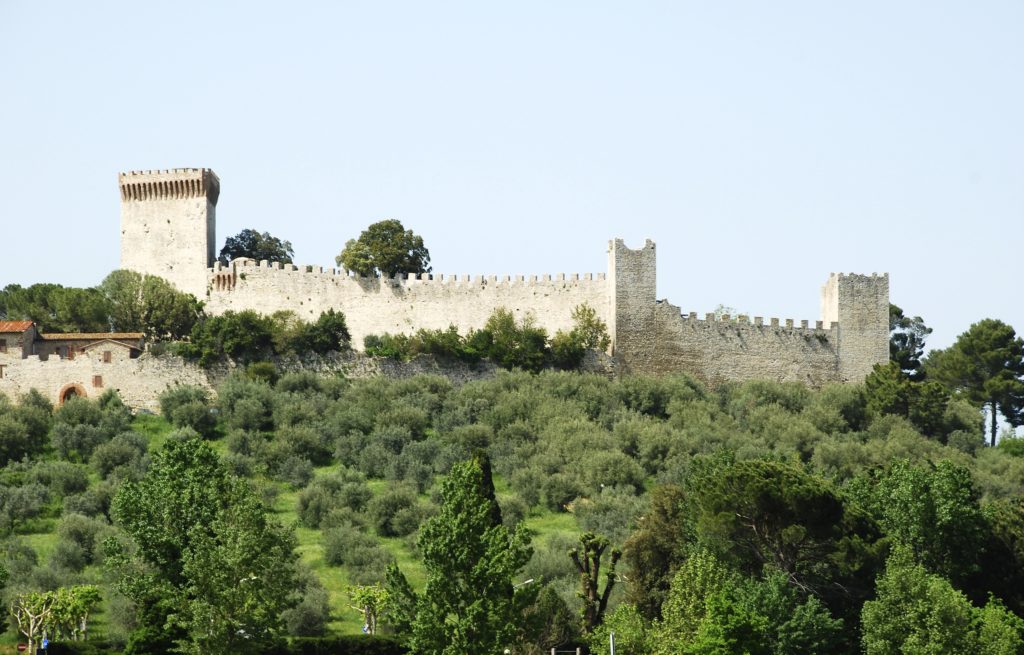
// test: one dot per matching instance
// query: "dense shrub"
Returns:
(188, 406)
(394, 512)
(61, 478)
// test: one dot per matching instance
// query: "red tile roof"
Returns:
(90, 336)
(15, 326)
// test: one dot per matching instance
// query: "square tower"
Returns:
(860, 305)
(168, 225)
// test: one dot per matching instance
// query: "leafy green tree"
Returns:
(469, 603)
(920, 613)
(765, 617)
(149, 304)
(244, 337)
(657, 548)
(69, 617)
(256, 245)
(889, 390)
(55, 308)
(372, 602)
(241, 573)
(632, 633)
(933, 512)
(760, 513)
(588, 333)
(511, 344)
(986, 365)
(548, 623)
(208, 570)
(328, 333)
(33, 611)
(385, 248)
(906, 341)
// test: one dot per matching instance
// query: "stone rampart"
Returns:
(718, 349)
(405, 304)
(139, 381)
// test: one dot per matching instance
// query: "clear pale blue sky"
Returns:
(760, 144)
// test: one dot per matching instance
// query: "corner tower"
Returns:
(860, 305)
(168, 225)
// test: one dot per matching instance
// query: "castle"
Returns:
(168, 228)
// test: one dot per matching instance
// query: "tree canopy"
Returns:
(469, 603)
(256, 245)
(906, 341)
(385, 248)
(149, 304)
(210, 571)
(985, 365)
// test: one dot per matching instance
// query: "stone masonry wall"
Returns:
(379, 305)
(734, 349)
(860, 304)
(139, 381)
(168, 225)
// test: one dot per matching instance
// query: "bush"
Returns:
(390, 512)
(341, 541)
(83, 532)
(15, 441)
(309, 617)
(294, 470)
(348, 644)
(61, 478)
(588, 333)
(125, 452)
(245, 403)
(188, 406)
(512, 344)
(328, 333)
(243, 337)
(343, 489)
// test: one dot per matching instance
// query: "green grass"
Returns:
(154, 428)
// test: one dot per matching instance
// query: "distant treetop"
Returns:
(385, 248)
(253, 244)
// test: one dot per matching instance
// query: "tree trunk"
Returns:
(995, 424)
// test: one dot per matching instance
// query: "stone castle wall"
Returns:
(379, 305)
(139, 381)
(168, 229)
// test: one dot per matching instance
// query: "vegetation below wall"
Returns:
(758, 517)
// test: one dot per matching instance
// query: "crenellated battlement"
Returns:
(220, 274)
(171, 184)
(711, 319)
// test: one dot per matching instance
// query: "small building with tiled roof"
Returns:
(108, 347)
(17, 339)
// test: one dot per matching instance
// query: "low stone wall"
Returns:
(138, 381)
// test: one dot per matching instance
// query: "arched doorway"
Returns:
(70, 391)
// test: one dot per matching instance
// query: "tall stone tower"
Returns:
(168, 225)
(860, 304)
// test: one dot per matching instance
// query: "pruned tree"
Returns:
(32, 612)
(587, 558)
(371, 601)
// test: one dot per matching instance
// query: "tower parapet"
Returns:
(168, 224)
